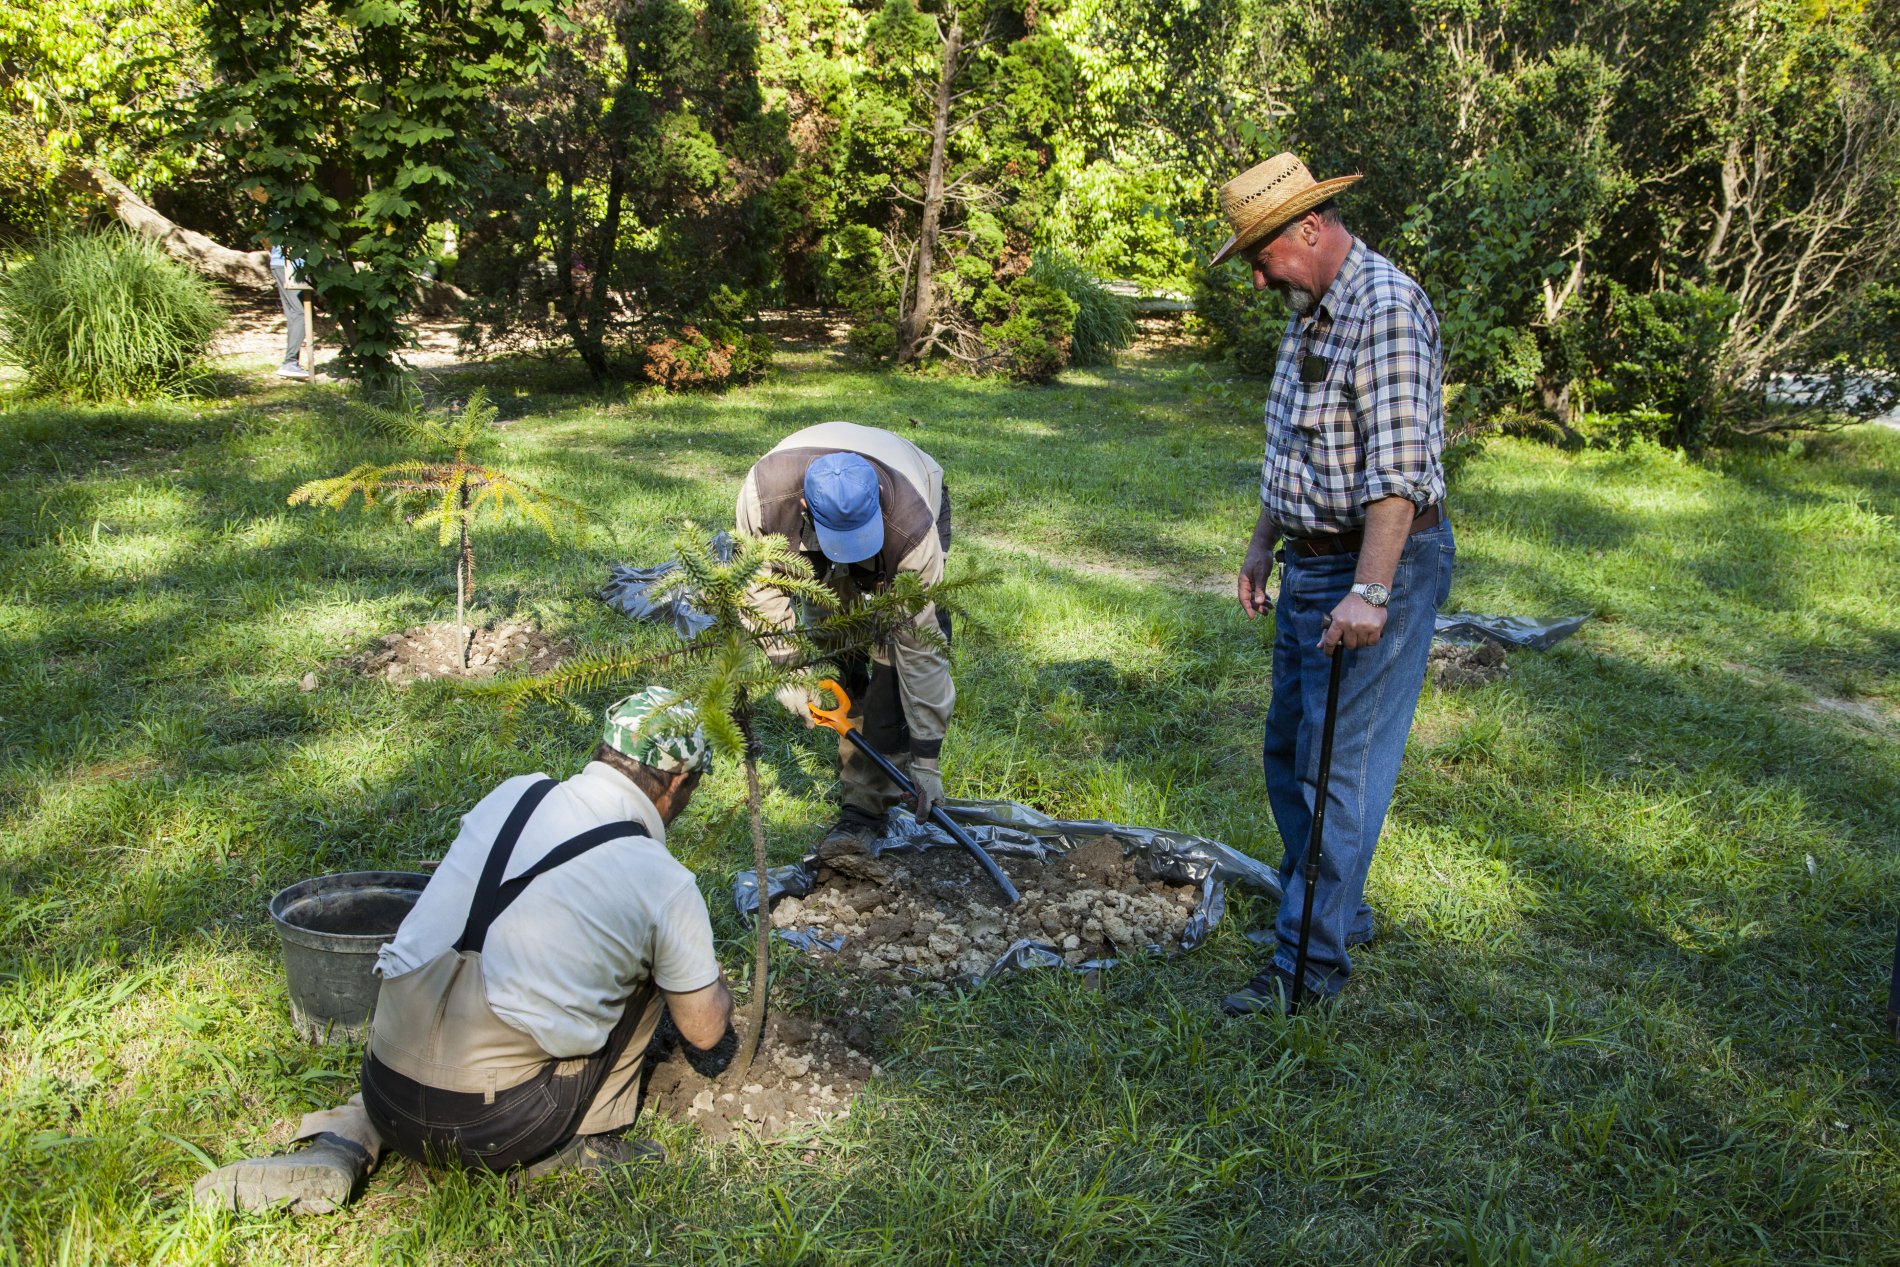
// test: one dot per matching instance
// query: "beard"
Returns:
(1300, 301)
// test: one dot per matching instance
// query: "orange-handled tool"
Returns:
(838, 719)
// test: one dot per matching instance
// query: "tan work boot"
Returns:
(314, 1180)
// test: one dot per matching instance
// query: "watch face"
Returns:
(1376, 595)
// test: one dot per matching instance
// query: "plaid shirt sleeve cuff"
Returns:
(1380, 485)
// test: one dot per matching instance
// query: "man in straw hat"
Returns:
(519, 996)
(1351, 504)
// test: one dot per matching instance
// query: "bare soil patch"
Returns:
(807, 1072)
(1453, 666)
(931, 918)
(435, 651)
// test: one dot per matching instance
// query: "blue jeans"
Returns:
(1378, 692)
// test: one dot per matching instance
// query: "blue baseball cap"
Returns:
(841, 490)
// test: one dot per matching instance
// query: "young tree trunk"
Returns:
(762, 918)
(464, 579)
(914, 323)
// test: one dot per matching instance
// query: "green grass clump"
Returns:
(1103, 321)
(107, 316)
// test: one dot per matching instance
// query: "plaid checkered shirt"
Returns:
(1356, 411)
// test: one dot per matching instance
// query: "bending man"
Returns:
(864, 505)
(520, 994)
(1351, 494)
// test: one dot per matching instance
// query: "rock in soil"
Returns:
(936, 918)
(807, 1072)
(1454, 666)
(432, 651)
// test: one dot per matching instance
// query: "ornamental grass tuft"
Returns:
(107, 316)
(1104, 321)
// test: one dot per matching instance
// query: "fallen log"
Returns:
(240, 268)
(188, 246)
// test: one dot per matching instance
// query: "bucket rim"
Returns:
(346, 943)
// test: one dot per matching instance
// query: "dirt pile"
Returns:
(433, 651)
(934, 917)
(1453, 666)
(806, 1072)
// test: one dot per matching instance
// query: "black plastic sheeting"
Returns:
(628, 591)
(1011, 828)
(1468, 629)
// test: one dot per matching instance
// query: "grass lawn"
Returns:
(1638, 897)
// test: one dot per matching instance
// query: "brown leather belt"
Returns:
(1347, 542)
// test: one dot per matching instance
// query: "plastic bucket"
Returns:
(331, 928)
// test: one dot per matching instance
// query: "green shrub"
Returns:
(1026, 328)
(1655, 362)
(1104, 321)
(1237, 322)
(107, 316)
(851, 273)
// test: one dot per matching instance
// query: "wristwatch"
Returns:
(1373, 593)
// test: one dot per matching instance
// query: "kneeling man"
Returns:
(520, 994)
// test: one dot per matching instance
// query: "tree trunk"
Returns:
(243, 268)
(187, 246)
(464, 579)
(915, 321)
(762, 918)
(597, 294)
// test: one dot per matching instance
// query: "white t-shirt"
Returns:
(561, 962)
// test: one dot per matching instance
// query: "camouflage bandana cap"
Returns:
(655, 729)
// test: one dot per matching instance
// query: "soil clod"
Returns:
(806, 1073)
(435, 651)
(933, 917)
(1453, 666)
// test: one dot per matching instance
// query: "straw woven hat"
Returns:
(1269, 196)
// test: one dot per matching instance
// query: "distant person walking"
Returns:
(1351, 504)
(290, 294)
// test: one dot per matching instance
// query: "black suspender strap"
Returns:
(480, 911)
(567, 851)
(493, 896)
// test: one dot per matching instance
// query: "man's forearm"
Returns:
(1388, 524)
(1265, 535)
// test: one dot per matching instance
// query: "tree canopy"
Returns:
(1656, 216)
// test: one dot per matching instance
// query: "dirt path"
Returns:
(254, 339)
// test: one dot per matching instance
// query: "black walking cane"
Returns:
(838, 719)
(1309, 866)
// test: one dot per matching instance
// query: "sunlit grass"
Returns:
(1636, 898)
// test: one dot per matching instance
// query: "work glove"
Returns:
(797, 702)
(928, 778)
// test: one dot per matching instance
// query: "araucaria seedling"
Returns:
(740, 660)
(447, 494)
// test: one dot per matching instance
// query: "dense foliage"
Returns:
(363, 124)
(87, 82)
(1666, 218)
(1665, 213)
(633, 213)
(106, 316)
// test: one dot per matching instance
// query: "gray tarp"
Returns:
(1007, 827)
(1468, 629)
(627, 591)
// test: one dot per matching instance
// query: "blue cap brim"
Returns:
(851, 545)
